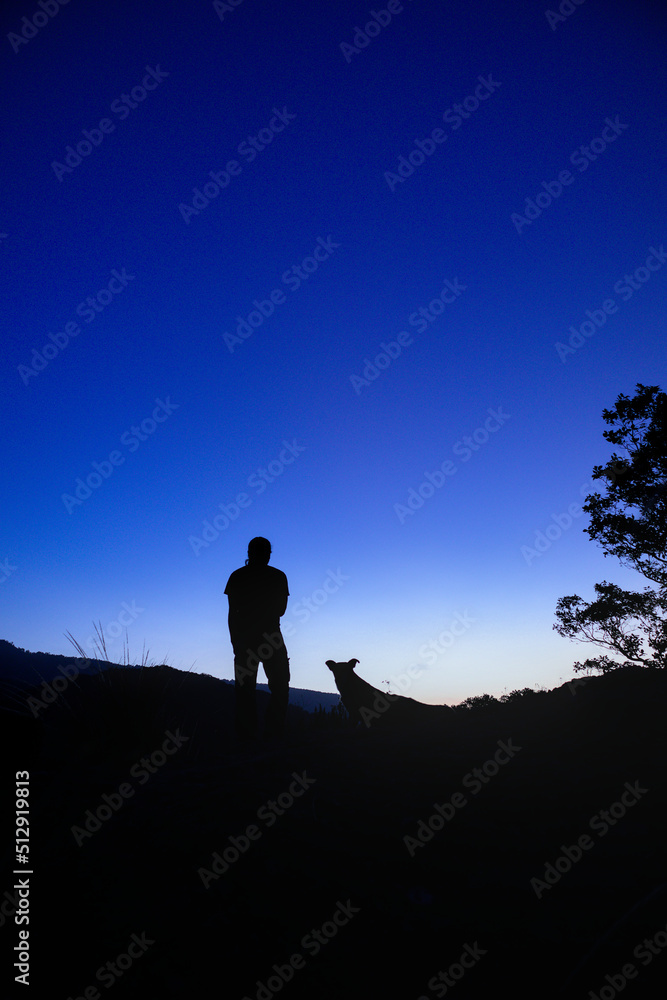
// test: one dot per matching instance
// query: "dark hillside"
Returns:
(236, 864)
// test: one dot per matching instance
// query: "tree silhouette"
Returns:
(629, 521)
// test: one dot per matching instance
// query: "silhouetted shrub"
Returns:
(479, 701)
(518, 694)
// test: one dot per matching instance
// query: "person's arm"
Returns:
(232, 612)
(284, 594)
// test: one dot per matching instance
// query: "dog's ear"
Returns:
(353, 663)
(330, 664)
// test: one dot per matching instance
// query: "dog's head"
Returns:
(341, 669)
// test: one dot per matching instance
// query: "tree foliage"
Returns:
(629, 521)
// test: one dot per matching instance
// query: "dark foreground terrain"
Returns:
(343, 863)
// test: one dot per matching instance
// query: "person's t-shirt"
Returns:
(257, 597)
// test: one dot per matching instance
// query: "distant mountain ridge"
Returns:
(21, 666)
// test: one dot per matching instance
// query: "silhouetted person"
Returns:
(258, 596)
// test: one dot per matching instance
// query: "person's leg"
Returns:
(276, 667)
(245, 679)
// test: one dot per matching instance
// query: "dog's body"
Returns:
(367, 704)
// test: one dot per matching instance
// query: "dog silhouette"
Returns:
(369, 705)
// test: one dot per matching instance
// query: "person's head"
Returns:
(259, 551)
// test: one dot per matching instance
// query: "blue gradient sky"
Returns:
(164, 337)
